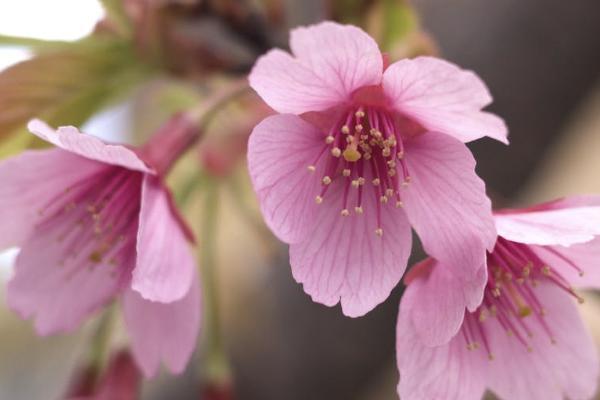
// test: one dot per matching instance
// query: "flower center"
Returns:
(514, 273)
(364, 147)
(94, 221)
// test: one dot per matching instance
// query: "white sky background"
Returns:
(52, 20)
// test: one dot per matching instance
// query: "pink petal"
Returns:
(289, 86)
(279, 151)
(558, 204)
(70, 139)
(57, 288)
(567, 369)
(436, 302)
(29, 183)
(447, 205)
(447, 372)
(332, 62)
(343, 260)
(165, 263)
(579, 264)
(561, 226)
(346, 55)
(163, 332)
(443, 98)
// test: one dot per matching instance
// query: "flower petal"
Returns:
(447, 205)
(57, 288)
(566, 369)
(279, 151)
(436, 302)
(346, 55)
(579, 264)
(163, 332)
(446, 372)
(332, 62)
(344, 260)
(29, 183)
(90, 147)
(561, 226)
(443, 98)
(289, 86)
(165, 263)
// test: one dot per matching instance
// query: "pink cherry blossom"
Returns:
(362, 152)
(94, 222)
(526, 339)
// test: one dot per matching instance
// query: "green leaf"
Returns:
(6, 40)
(67, 86)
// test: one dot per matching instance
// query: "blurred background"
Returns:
(541, 60)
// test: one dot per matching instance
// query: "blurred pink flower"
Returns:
(332, 171)
(93, 222)
(526, 340)
(121, 380)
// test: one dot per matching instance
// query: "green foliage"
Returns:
(66, 85)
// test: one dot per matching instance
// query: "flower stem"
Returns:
(100, 346)
(216, 368)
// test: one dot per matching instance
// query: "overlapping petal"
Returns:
(447, 205)
(553, 226)
(443, 98)
(445, 372)
(165, 263)
(436, 301)
(162, 332)
(331, 62)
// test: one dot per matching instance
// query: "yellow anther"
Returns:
(367, 156)
(376, 182)
(318, 199)
(546, 270)
(358, 210)
(525, 311)
(95, 257)
(383, 199)
(311, 168)
(400, 155)
(351, 154)
(392, 172)
(329, 139)
(358, 128)
(359, 114)
(345, 129)
(389, 192)
(379, 232)
(345, 212)
(346, 172)
(326, 180)
(361, 180)
(386, 152)
(336, 152)
(399, 204)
